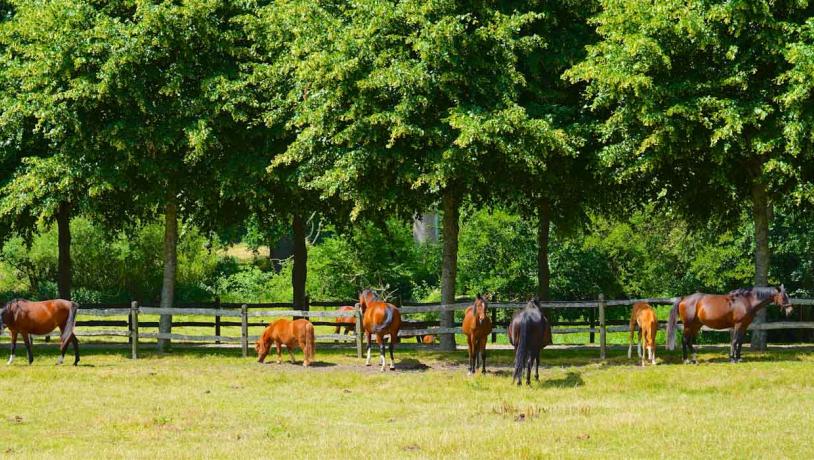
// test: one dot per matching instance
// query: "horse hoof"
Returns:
(392, 368)
(686, 361)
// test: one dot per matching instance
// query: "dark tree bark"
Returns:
(170, 268)
(300, 271)
(64, 274)
(449, 268)
(760, 215)
(543, 233)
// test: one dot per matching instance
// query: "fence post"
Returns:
(217, 320)
(602, 331)
(592, 325)
(134, 329)
(244, 329)
(358, 329)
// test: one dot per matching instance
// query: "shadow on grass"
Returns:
(411, 364)
(570, 380)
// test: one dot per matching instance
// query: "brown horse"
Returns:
(380, 318)
(734, 310)
(293, 334)
(349, 322)
(529, 332)
(477, 327)
(39, 318)
(644, 317)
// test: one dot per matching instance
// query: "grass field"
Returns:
(205, 402)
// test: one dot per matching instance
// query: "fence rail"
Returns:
(133, 326)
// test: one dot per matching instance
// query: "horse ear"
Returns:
(782, 288)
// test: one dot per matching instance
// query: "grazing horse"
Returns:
(39, 318)
(477, 327)
(293, 334)
(380, 318)
(734, 310)
(527, 333)
(349, 322)
(644, 317)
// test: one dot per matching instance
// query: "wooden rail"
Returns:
(134, 325)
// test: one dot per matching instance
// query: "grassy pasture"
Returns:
(204, 402)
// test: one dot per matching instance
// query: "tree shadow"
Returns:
(570, 380)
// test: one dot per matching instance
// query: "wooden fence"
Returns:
(243, 314)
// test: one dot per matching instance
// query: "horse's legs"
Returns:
(291, 353)
(483, 354)
(392, 359)
(472, 358)
(684, 347)
(741, 334)
(369, 344)
(27, 341)
(381, 342)
(537, 366)
(733, 346)
(75, 349)
(279, 347)
(63, 346)
(13, 346)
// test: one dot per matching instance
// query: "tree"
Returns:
(162, 120)
(688, 93)
(403, 106)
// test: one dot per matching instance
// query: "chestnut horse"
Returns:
(644, 317)
(39, 318)
(380, 318)
(734, 310)
(293, 334)
(529, 332)
(349, 322)
(477, 327)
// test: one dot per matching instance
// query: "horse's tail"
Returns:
(521, 354)
(632, 329)
(309, 343)
(388, 320)
(70, 324)
(671, 325)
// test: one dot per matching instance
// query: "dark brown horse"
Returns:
(477, 327)
(528, 334)
(39, 318)
(379, 318)
(735, 310)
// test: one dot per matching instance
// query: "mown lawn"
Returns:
(205, 402)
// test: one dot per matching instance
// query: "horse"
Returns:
(348, 322)
(477, 327)
(25, 317)
(527, 333)
(644, 317)
(733, 310)
(293, 334)
(379, 318)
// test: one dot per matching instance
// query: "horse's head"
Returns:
(782, 300)
(480, 309)
(366, 297)
(262, 348)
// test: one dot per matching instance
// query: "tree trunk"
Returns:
(170, 268)
(760, 215)
(64, 242)
(543, 232)
(300, 271)
(449, 268)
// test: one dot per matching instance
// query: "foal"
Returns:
(644, 316)
(477, 327)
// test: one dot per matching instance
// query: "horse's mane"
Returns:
(762, 293)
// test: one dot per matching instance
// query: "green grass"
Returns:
(206, 402)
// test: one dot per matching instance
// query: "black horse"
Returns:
(529, 332)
